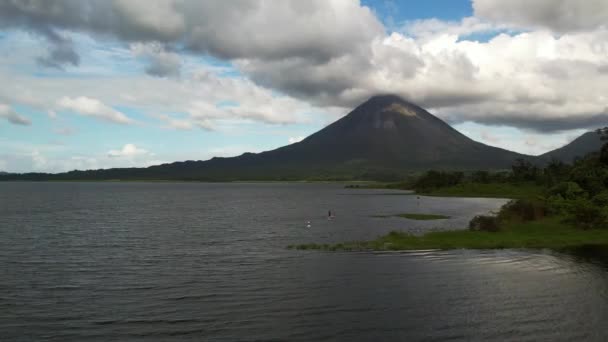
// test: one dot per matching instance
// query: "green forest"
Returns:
(556, 206)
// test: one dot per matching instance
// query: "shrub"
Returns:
(437, 179)
(601, 199)
(523, 170)
(554, 172)
(604, 155)
(586, 214)
(567, 190)
(484, 223)
(481, 177)
(558, 205)
(591, 176)
(523, 210)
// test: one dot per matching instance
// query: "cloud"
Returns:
(232, 150)
(541, 72)
(92, 107)
(175, 123)
(13, 117)
(161, 63)
(513, 139)
(424, 28)
(318, 29)
(61, 52)
(293, 140)
(531, 80)
(557, 15)
(64, 131)
(23, 156)
(127, 151)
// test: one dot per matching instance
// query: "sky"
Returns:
(90, 84)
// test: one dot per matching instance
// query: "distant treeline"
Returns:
(578, 192)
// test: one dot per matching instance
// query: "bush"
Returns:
(481, 177)
(601, 199)
(590, 176)
(586, 214)
(523, 170)
(567, 190)
(604, 155)
(523, 210)
(482, 223)
(437, 179)
(554, 172)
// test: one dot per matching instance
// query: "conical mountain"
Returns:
(386, 135)
(391, 132)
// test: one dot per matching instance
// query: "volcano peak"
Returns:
(399, 108)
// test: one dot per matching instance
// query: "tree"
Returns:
(523, 170)
(603, 132)
(555, 172)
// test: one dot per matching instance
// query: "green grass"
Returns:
(497, 190)
(421, 217)
(546, 233)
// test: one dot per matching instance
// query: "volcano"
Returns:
(384, 135)
(388, 131)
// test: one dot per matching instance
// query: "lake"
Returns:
(196, 262)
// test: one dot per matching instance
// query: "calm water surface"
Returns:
(198, 262)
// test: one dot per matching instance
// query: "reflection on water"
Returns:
(157, 262)
(595, 254)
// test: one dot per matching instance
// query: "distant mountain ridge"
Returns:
(579, 147)
(385, 136)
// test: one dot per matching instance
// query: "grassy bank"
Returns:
(419, 217)
(546, 233)
(466, 189)
(491, 190)
(544, 200)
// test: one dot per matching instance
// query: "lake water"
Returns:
(200, 262)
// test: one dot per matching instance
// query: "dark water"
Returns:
(200, 262)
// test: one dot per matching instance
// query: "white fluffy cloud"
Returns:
(28, 157)
(13, 117)
(546, 71)
(425, 28)
(293, 140)
(127, 151)
(192, 101)
(530, 80)
(92, 107)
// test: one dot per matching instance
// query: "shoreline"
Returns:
(547, 233)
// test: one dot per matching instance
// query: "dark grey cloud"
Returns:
(530, 120)
(558, 15)
(318, 29)
(337, 53)
(162, 69)
(61, 52)
(342, 81)
(160, 62)
(13, 117)
(302, 79)
(550, 124)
